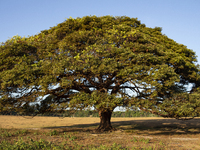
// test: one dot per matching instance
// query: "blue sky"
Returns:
(179, 19)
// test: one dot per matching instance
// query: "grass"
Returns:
(69, 138)
(138, 136)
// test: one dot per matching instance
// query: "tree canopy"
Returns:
(100, 62)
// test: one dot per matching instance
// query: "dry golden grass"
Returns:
(155, 133)
(41, 122)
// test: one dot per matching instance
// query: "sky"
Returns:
(179, 19)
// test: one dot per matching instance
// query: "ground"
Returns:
(79, 133)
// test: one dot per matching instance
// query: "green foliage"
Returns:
(30, 145)
(66, 135)
(6, 134)
(52, 133)
(144, 140)
(100, 62)
(72, 138)
(101, 101)
(113, 147)
(43, 144)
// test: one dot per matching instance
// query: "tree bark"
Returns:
(105, 124)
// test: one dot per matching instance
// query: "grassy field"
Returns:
(79, 133)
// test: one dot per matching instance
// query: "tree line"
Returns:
(89, 113)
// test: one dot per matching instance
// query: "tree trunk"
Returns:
(105, 124)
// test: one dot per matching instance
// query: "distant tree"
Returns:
(99, 62)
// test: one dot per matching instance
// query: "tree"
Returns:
(100, 62)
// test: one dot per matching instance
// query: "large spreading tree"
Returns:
(99, 62)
